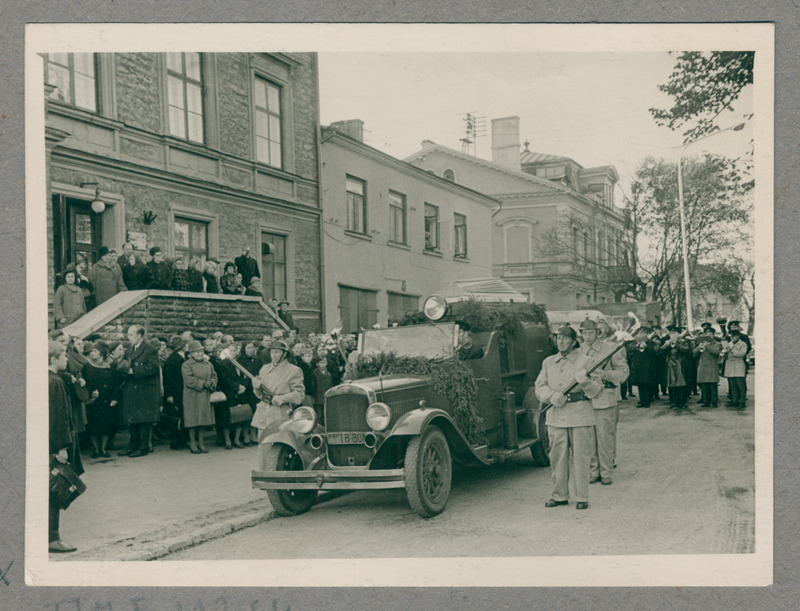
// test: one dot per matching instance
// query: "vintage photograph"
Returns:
(383, 305)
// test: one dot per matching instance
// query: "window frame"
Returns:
(190, 252)
(457, 216)
(70, 67)
(396, 209)
(390, 295)
(435, 246)
(268, 82)
(351, 202)
(201, 84)
(270, 235)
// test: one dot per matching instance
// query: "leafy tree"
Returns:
(717, 216)
(703, 86)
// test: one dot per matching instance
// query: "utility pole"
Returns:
(474, 127)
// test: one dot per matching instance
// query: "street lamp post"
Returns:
(686, 282)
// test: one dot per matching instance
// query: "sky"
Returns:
(591, 107)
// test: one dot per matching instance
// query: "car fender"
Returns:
(283, 432)
(416, 421)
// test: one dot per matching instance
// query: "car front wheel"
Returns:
(281, 457)
(428, 473)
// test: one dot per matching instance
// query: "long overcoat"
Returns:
(141, 392)
(107, 280)
(734, 365)
(708, 362)
(197, 410)
(644, 365)
(68, 303)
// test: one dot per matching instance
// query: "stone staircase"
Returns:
(164, 313)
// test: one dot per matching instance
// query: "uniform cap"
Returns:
(279, 345)
(588, 325)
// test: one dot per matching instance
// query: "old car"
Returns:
(396, 431)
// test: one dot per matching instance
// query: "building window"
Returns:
(587, 247)
(555, 171)
(268, 123)
(357, 308)
(356, 205)
(273, 266)
(185, 96)
(400, 305)
(518, 244)
(576, 244)
(602, 251)
(74, 78)
(397, 217)
(191, 238)
(449, 175)
(460, 226)
(431, 227)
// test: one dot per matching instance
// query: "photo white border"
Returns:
(674, 570)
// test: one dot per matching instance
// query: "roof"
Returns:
(533, 157)
(493, 290)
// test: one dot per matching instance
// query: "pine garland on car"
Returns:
(450, 378)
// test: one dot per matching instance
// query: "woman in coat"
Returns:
(229, 382)
(199, 380)
(250, 360)
(707, 354)
(101, 408)
(68, 304)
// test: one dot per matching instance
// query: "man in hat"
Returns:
(707, 354)
(466, 348)
(141, 391)
(284, 315)
(570, 422)
(106, 276)
(247, 266)
(736, 350)
(159, 271)
(606, 404)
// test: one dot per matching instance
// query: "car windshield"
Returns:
(430, 341)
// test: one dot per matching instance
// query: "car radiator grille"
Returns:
(347, 413)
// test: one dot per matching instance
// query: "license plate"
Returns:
(339, 439)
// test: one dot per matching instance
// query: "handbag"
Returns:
(241, 413)
(65, 484)
(218, 396)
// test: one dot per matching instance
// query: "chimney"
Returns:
(354, 128)
(505, 142)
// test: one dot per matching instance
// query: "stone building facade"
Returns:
(558, 236)
(201, 154)
(393, 233)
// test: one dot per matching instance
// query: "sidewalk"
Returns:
(144, 508)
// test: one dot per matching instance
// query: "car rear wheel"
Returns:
(281, 457)
(541, 449)
(428, 473)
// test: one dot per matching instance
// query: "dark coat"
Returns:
(708, 362)
(62, 423)
(253, 365)
(159, 276)
(134, 275)
(644, 365)
(173, 379)
(286, 317)
(247, 267)
(212, 284)
(141, 393)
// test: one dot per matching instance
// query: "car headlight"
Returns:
(378, 416)
(303, 419)
(435, 307)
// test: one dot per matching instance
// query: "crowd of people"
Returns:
(583, 405)
(79, 290)
(679, 365)
(178, 389)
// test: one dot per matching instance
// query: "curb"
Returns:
(177, 536)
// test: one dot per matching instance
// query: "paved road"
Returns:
(685, 485)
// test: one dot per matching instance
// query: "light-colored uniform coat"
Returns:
(605, 404)
(734, 365)
(571, 426)
(284, 381)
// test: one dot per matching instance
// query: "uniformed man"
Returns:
(606, 404)
(570, 422)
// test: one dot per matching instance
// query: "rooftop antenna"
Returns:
(474, 128)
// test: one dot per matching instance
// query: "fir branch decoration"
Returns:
(450, 378)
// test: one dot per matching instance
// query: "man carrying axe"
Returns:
(570, 421)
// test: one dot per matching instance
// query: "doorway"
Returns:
(77, 234)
